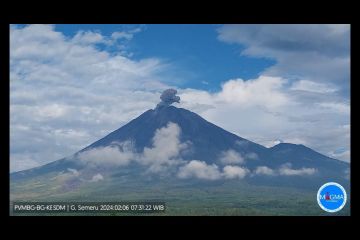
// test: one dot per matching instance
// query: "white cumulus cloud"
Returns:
(288, 171)
(199, 169)
(266, 108)
(231, 157)
(235, 172)
(202, 170)
(114, 155)
(263, 91)
(284, 170)
(61, 84)
(97, 177)
(263, 170)
(165, 150)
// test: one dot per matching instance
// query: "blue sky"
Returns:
(72, 84)
(198, 58)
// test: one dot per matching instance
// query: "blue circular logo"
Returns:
(331, 197)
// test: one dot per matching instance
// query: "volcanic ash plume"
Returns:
(168, 97)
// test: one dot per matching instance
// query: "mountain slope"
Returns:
(301, 155)
(207, 139)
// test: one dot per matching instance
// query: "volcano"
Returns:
(208, 143)
(185, 150)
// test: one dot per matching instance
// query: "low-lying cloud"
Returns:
(235, 172)
(165, 150)
(117, 154)
(71, 176)
(165, 154)
(202, 170)
(199, 169)
(68, 176)
(288, 171)
(231, 157)
(284, 170)
(263, 170)
(97, 177)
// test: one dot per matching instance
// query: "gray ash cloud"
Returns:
(168, 97)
